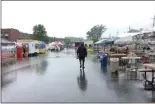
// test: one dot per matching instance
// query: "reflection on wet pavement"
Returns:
(41, 67)
(82, 81)
(8, 78)
(51, 79)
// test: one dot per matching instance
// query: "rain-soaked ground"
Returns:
(55, 77)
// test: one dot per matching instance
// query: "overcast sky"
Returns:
(75, 18)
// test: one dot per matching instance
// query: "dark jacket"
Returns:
(82, 51)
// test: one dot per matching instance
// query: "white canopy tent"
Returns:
(127, 39)
(100, 41)
(146, 31)
(51, 44)
(55, 44)
(124, 40)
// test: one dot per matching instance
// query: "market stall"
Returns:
(28, 47)
(132, 65)
(56, 46)
(105, 44)
(42, 47)
(149, 68)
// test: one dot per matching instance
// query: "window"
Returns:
(6, 34)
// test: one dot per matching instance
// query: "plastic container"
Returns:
(114, 64)
(103, 60)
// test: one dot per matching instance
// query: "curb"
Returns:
(16, 69)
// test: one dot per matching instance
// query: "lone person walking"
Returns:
(82, 53)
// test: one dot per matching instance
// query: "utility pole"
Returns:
(117, 33)
(153, 20)
(109, 35)
(153, 24)
(129, 28)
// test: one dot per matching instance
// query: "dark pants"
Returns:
(82, 59)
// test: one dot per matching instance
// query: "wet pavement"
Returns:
(56, 77)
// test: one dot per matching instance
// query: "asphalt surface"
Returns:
(56, 77)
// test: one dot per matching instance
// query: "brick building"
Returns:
(10, 34)
(14, 34)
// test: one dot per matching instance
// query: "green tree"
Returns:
(96, 32)
(40, 33)
(67, 41)
(52, 39)
(75, 39)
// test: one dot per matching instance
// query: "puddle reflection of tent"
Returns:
(38, 67)
(41, 68)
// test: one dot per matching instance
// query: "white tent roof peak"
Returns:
(124, 40)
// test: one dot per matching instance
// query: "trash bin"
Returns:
(114, 64)
(19, 52)
(103, 60)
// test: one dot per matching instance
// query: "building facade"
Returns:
(10, 34)
(14, 34)
(25, 36)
